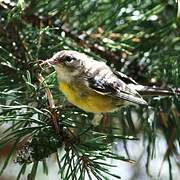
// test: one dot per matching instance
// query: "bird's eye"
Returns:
(68, 59)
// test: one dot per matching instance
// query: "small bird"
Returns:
(91, 85)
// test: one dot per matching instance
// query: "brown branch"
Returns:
(51, 103)
(106, 54)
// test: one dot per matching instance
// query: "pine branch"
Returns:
(104, 53)
(140, 40)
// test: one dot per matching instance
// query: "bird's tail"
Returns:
(156, 91)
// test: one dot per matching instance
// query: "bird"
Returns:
(93, 86)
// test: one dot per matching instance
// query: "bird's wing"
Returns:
(125, 78)
(115, 86)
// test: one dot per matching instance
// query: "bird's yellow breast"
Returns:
(89, 101)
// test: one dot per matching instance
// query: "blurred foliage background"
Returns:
(139, 38)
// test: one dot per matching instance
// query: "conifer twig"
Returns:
(51, 103)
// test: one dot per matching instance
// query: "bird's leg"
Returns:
(97, 119)
(105, 122)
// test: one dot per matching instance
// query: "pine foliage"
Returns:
(138, 38)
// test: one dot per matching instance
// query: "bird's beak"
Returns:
(50, 61)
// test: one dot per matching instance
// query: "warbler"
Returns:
(91, 85)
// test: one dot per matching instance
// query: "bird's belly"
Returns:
(91, 101)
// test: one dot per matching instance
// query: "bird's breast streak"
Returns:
(91, 102)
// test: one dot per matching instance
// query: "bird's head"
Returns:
(67, 58)
(67, 63)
